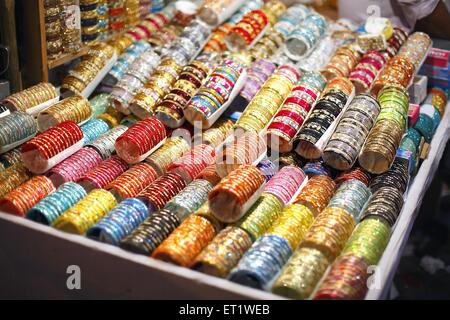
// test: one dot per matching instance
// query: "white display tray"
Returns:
(35, 258)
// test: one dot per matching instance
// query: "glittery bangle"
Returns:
(223, 252)
(23, 198)
(103, 174)
(228, 197)
(51, 207)
(119, 222)
(13, 177)
(140, 139)
(79, 218)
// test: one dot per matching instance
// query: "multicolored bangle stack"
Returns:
(290, 19)
(130, 183)
(75, 167)
(15, 129)
(383, 140)
(105, 144)
(134, 79)
(213, 94)
(63, 140)
(191, 78)
(363, 75)
(152, 232)
(347, 140)
(140, 140)
(24, 197)
(103, 174)
(289, 119)
(247, 149)
(158, 85)
(267, 101)
(323, 242)
(124, 62)
(342, 63)
(93, 129)
(52, 206)
(257, 75)
(12, 177)
(119, 222)
(335, 97)
(268, 254)
(171, 150)
(227, 199)
(83, 215)
(320, 56)
(193, 162)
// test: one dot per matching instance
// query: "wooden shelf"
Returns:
(64, 58)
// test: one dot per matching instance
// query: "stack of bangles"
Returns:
(289, 119)
(257, 75)
(31, 97)
(62, 140)
(247, 149)
(76, 109)
(335, 97)
(346, 142)
(213, 94)
(344, 60)
(124, 62)
(170, 110)
(383, 140)
(267, 101)
(137, 74)
(85, 72)
(228, 198)
(306, 36)
(367, 70)
(140, 140)
(247, 30)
